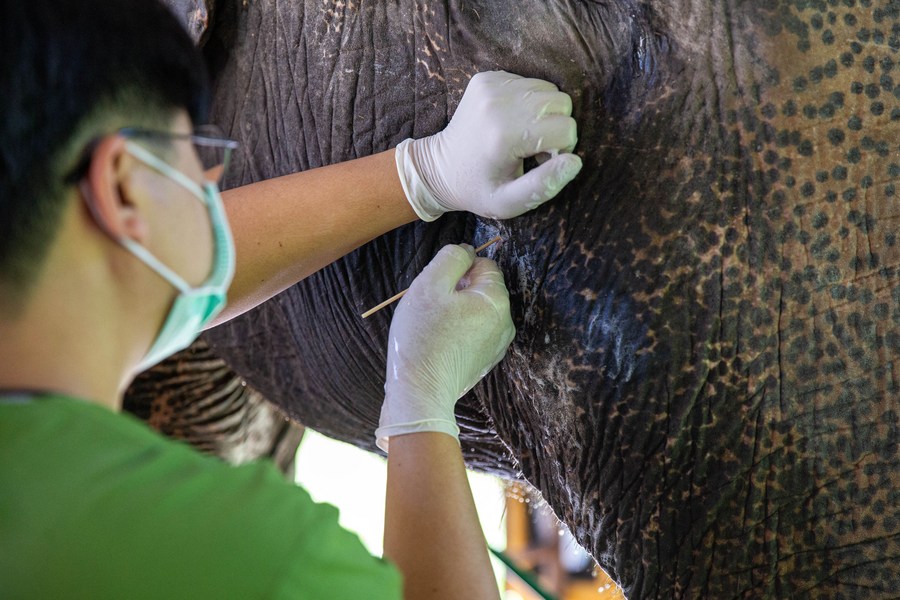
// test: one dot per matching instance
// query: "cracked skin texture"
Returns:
(703, 386)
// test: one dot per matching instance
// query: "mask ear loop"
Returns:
(208, 195)
(224, 260)
(132, 246)
(87, 196)
(164, 168)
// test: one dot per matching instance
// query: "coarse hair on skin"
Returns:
(71, 72)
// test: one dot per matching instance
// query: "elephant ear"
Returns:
(194, 15)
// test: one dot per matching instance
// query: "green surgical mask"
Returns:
(194, 307)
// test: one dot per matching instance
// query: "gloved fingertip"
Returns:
(450, 265)
(483, 263)
(484, 267)
(459, 251)
(570, 165)
(470, 256)
(559, 171)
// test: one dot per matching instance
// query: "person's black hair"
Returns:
(67, 66)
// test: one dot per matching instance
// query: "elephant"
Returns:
(196, 398)
(702, 385)
(194, 16)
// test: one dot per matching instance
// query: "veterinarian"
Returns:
(116, 251)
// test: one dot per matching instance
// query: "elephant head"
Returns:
(703, 384)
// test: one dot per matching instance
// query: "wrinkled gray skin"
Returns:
(703, 383)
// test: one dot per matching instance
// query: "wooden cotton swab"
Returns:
(487, 244)
(396, 297)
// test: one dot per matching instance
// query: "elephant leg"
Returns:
(194, 396)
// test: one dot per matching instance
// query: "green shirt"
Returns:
(94, 504)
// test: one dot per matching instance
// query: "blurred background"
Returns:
(536, 558)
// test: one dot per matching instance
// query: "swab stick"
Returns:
(396, 297)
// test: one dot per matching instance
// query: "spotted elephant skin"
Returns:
(196, 398)
(703, 385)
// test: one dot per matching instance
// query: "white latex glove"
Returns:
(476, 163)
(451, 328)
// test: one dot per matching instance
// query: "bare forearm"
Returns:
(287, 228)
(431, 528)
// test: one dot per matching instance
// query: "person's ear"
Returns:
(110, 193)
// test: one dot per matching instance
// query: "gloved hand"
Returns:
(451, 328)
(476, 163)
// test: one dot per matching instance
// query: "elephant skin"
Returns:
(703, 384)
(194, 16)
(194, 397)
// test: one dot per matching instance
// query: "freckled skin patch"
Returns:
(714, 414)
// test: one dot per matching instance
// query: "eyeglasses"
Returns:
(212, 147)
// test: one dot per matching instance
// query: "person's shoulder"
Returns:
(71, 430)
(116, 459)
(138, 503)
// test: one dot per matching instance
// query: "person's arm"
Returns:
(431, 529)
(450, 329)
(288, 228)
